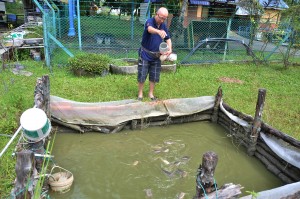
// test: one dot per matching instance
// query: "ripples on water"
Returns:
(157, 161)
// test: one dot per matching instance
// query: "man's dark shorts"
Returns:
(151, 67)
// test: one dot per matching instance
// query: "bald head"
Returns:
(163, 11)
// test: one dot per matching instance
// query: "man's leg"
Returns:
(151, 89)
(154, 75)
(141, 87)
(142, 75)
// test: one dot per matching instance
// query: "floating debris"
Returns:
(148, 193)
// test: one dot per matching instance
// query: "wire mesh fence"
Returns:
(116, 29)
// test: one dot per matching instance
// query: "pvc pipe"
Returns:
(71, 20)
(78, 25)
(10, 141)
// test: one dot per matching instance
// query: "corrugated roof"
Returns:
(200, 2)
(276, 4)
(153, 1)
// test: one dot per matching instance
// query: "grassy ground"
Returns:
(282, 107)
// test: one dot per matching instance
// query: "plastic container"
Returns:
(172, 57)
(163, 47)
(35, 124)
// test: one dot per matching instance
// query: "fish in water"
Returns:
(181, 195)
(185, 158)
(169, 142)
(148, 193)
(177, 163)
(165, 161)
(168, 173)
(181, 173)
(165, 150)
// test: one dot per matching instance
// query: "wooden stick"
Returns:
(218, 99)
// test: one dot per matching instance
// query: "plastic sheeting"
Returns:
(284, 150)
(280, 192)
(118, 112)
(188, 106)
(233, 117)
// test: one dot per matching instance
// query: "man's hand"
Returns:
(162, 33)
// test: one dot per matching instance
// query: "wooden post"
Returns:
(25, 170)
(38, 148)
(205, 182)
(42, 94)
(41, 101)
(217, 104)
(257, 121)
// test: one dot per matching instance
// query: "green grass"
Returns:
(281, 110)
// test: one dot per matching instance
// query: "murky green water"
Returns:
(125, 164)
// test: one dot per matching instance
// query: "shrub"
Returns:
(89, 64)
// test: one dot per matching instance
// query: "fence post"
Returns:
(42, 94)
(257, 121)
(217, 104)
(25, 168)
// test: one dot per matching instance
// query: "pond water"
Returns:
(163, 159)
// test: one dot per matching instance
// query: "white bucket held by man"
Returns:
(163, 48)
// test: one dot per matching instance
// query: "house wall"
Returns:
(195, 13)
(271, 16)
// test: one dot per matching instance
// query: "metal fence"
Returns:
(116, 29)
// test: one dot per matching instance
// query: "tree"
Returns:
(255, 10)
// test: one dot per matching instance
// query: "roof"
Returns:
(271, 4)
(276, 4)
(207, 2)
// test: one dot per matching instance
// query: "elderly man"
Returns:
(155, 33)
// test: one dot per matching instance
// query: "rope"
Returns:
(202, 188)
(205, 195)
(216, 188)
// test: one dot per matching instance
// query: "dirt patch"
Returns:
(230, 80)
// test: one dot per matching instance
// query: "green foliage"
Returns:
(104, 11)
(253, 194)
(34, 32)
(89, 64)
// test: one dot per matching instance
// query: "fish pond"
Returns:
(157, 161)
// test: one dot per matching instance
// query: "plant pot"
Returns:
(132, 67)
(128, 69)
